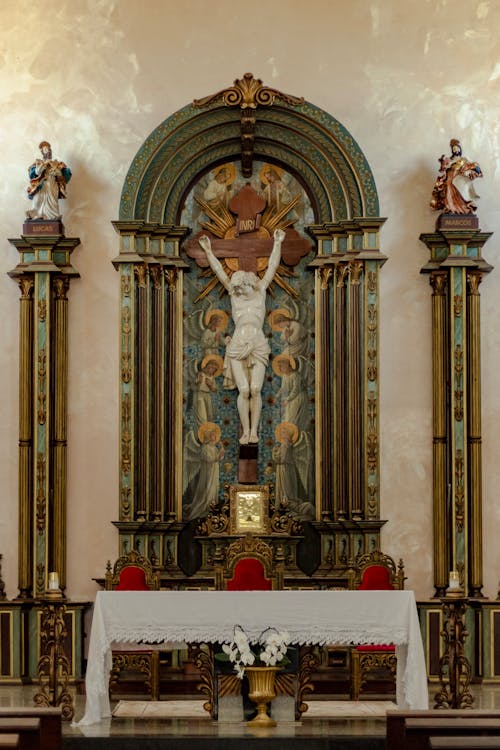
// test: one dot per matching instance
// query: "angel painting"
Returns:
(204, 386)
(206, 328)
(292, 393)
(202, 455)
(292, 457)
(293, 325)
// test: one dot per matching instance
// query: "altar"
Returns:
(310, 617)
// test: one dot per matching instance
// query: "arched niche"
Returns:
(344, 266)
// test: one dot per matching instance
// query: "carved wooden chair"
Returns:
(134, 572)
(249, 565)
(374, 571)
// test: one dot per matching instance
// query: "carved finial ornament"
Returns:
(248, 93)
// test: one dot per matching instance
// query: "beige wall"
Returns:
(95, 77)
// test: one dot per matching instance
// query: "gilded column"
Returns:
(456, 266)
(354, 392)
(172, 380)
(25, 561)
(474, 433)
(158, 394)
(441, 488)
(59, 442)
(43, 273)
(340, 412)
(142, 445)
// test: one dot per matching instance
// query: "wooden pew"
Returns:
(50, 722)
(9, 741)
(27, 728)
(396, 721)
(464, 743)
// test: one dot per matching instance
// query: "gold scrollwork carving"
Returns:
(26, 286)
(53, 665)
(42, 390)
(171, 277)
(308, 663)
(248, 93)
(325, 275)
(372, 439)
(203, 659)
(126, 288)
(439, 282)
(216, 521)
(473, 280)
(155, 274)
(40, 494)
(126, 434)
(459, 489)
(459, 393)
(141, 272)
(61, 286)
(457, 305)
(40, 579)
(372, 343)
(126, 357)
(42, 310)
(355, 271)
(342, 273)
(371, 282)
(372, 500)
(125, 497)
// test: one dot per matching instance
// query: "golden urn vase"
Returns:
(261, 683)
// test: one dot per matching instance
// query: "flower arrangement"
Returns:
(270, 650)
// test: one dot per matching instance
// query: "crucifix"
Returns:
(245, 260)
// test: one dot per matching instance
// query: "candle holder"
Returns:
(454, 667)
(53, 665)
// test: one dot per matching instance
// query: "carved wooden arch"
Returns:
(326, 160)
(312, 143)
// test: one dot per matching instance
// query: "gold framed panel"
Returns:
(249, 509)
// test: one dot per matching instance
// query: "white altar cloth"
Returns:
(310, 617)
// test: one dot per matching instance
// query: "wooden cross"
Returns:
(245, 241)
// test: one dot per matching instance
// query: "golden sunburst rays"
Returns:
(221, 220)
(272, 219)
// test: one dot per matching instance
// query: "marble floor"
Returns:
(324, 718)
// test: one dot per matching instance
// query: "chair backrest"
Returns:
(377, 571)
(250, 564)
(131, 572)
(249, 575)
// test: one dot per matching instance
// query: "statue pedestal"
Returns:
(247, 463)
(38, 228)
(457, 222)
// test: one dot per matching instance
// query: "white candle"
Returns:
(454, 582)
(53, 582)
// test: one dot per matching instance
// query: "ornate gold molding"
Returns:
(372, 439)
(41, 509)
(126, 434)
(459, 490)
(459, 391)
(372, 343)
(42, 387)
(248, 93)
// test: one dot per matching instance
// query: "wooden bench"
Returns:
(50, 722)
(464, 743)
(27, 728)
(9, 741)
(396, 721)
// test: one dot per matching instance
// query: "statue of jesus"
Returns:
(247, 351)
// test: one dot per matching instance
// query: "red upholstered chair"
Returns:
(134, 572)
(249, 575)
(249, 565)
(374, 571)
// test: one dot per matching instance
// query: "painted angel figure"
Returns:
(292, 393)
(292, 457)
(202, 455)
(454, 191)
(48, 180)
